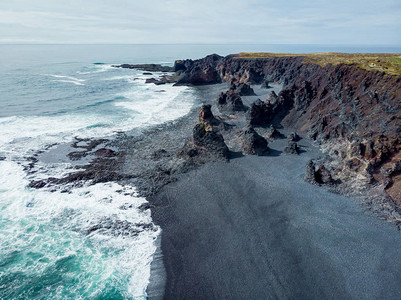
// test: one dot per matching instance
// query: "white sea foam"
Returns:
(58, 226)
(69, 81)
(154, 107)
(66, 77)
(96, 69)
(61, 226)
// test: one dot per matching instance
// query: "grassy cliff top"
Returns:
(388, 63)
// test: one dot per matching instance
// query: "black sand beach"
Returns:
(253, 229)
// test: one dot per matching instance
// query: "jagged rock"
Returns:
(323, 176)
(252, 142)
(146, 67)
(272, 97)
(104, 152)
(260, 113)
(205, 113)
(310, 172)
(318, 174)
(273, 133)
(213, 142)
(198, 72)
(293, 137)
(292, 148)
(245, 89)
(155, 81)
(230, 102)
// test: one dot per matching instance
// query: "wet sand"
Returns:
(253, 229)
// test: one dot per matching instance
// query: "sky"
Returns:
(201, 21)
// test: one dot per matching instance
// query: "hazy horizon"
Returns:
(319, 22)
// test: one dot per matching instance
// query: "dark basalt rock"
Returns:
(146, 67)
(318, 174)
(198, 72)
(205, 138)
(155, 81)
(273, 133)
(147, 73)
(205, 113)
(230, 102)
(292, 148)
(293, 137)
(252, 142)
(260, 113)
(104, 152)
(245, 89)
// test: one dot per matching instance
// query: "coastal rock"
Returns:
(273, 133)
(104, 152)
(292, 148)
(245, 89)
(230, 102)
(252, 142)
(205, 113)
(293, 137)
(205, 138)
(146, 67)
(155, 81)
(198, 72)
(260, 113)
(318, 174)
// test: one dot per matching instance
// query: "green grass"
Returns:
(388, 63)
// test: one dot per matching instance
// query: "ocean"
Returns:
(51, 94)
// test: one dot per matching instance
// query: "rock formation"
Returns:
(230, 102)
(252, 142)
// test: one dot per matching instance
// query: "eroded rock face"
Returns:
(252, 142)
(205, 138)
(198, 72)
(230, 102)
(260, 113)
(293, 137)
(245, 89)
(292, 148)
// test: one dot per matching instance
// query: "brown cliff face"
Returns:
(354, 112)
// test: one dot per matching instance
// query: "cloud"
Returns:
(202, 21)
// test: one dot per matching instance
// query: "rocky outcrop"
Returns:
(292, 148)
(205, 139)
(352, 112)
(245, 89)
(252, 142)
(155, 81)
(198, 72)
(294, 137)
(260, 113)
(146, 67)
(230, 102)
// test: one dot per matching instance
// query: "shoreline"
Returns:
(253, 228)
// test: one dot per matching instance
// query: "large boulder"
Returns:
(318, 174)
(292, 148)
(252, 142)
(260, 113)
(230, 102)
(245, 89)
(205, 113)
(207, 139)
